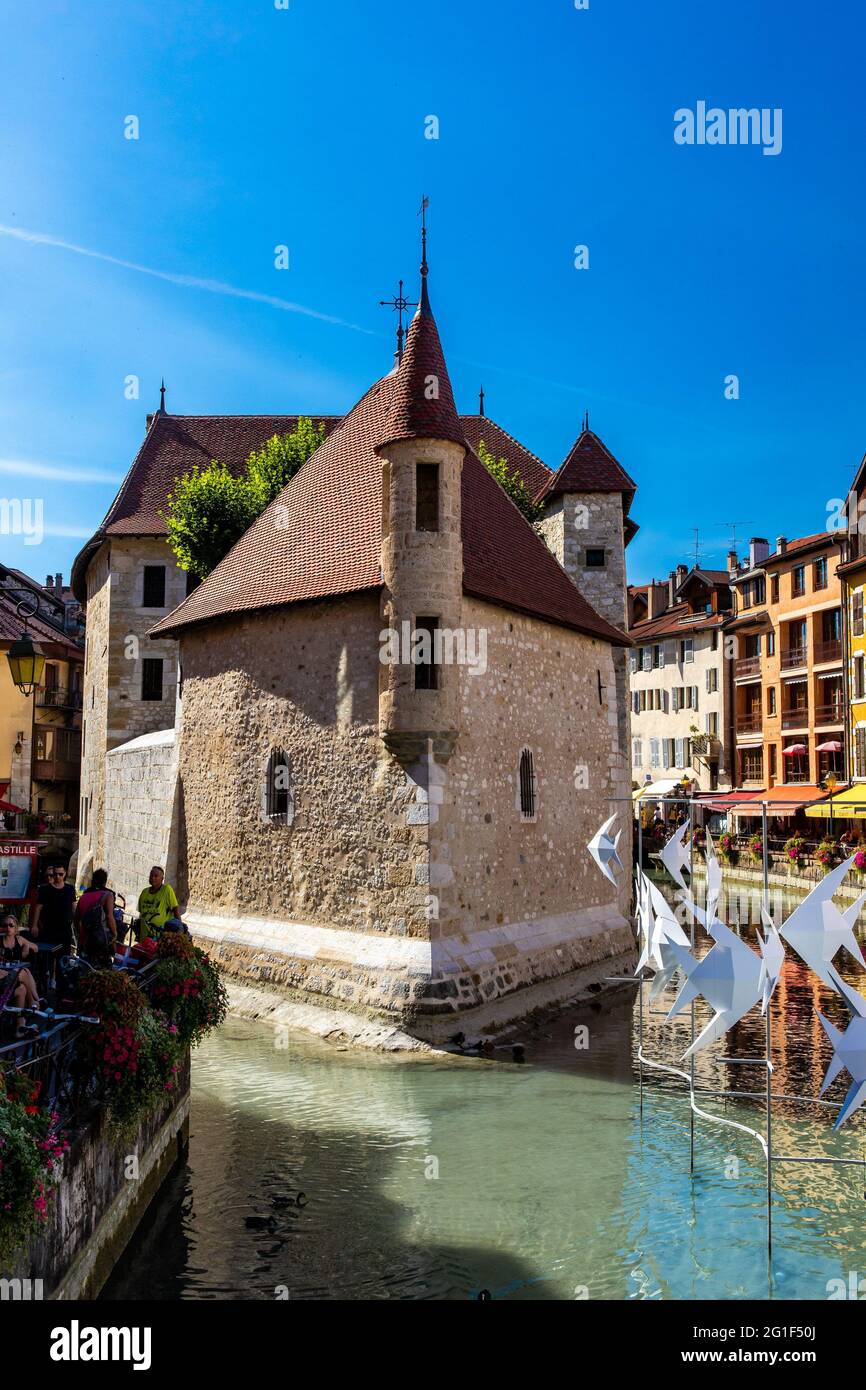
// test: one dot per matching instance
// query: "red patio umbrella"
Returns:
(794, 750)
(831, 746)
(7, 806)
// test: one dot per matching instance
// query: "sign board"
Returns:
(18, 872)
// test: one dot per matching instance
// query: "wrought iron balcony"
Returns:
(58, 697)
(747, 666)
(795, 718)
(828, 651)
(794, 656)
(829, 714)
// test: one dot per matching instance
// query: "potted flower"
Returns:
(794, 847)
(827, 854)
(756, 846)
(860, 859)
(725, 845)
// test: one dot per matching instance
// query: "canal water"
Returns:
(315, 1173)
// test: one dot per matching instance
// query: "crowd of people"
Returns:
(92, 925)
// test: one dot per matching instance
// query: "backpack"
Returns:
(99, 939)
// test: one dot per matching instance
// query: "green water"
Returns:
(317, 1173)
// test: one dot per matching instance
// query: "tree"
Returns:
(207, 512)
(210, 509)
(510, 481)
(270, 468)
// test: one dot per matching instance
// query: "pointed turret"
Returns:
(422, 446)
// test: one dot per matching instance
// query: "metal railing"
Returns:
(830, 714)
(827, 651)
(747, 666)
(794, 656)
(58, 697)
(796, 718)
(748, 723)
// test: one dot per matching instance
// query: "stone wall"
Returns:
(101, 1199)
(117, 644)
(406, 893)
(141, 813)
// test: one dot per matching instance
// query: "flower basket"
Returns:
(794, 849)
(756, 847)
(827, 854)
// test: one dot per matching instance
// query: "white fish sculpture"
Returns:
(605, 851)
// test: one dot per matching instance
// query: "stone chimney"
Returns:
(682, 571)
(672, 584)
(49, 583)
(781, 545)
(58, 584)
(759, 549)
(732, 562)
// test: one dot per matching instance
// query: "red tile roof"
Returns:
(675, 622)
(480, 428)
(804, 543)
(590, 467)
(322, 536)
(422, 402)
(12, 626)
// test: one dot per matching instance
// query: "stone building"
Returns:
(680, 681)
(398, 717)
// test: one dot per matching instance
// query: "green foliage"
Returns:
(208, 512)
(270, 468)
(209, 509)
(511, 482)
(31, 1153)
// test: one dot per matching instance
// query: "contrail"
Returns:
(30, 468)
(188, 281)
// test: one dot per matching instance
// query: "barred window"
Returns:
(527, 785)
(278, 801)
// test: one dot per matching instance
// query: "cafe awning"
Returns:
(724, 801)
(849, 804)
(654, 790)
(783, 800)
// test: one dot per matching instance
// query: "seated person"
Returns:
(157, 906)
(94, 921)
(15, 948)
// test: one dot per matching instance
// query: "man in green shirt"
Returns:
(157, 905)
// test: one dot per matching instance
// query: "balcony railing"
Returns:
(748, 723)
(747, 666)
(794, 656)
(795, 718)
(58, 697)
(55, 770)
(829, 714)
(828, 651)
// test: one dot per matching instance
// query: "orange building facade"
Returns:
(788, 660)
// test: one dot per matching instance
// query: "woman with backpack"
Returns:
(94, 921)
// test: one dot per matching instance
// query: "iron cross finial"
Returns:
(402, 305)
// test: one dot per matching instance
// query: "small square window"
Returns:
(595, 559)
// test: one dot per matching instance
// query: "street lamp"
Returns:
(26, 659)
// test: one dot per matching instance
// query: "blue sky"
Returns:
(306, 127)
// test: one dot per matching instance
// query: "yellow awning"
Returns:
(849, 804)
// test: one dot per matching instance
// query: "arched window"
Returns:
(527, 785)
(278, 805)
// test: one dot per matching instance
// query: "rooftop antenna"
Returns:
(697, 547)
(402, 305)
(733, 525)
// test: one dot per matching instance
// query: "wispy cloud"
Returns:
(52, 472)
(187, 281)
(78, 533)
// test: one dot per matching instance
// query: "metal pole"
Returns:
(692, 1058)
(640, 982)
(766, 856)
